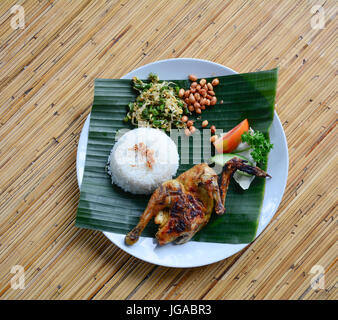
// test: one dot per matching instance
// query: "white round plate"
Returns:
(192, 253)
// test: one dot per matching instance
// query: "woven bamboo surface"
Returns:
(47, 72)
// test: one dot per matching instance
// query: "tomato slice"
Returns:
(230, 141)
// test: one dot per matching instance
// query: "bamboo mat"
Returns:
(47, 71)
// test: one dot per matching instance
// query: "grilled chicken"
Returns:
(183, 206)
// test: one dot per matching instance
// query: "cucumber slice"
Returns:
(242, 178)
(222, 159)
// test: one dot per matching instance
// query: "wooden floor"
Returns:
(47, 71)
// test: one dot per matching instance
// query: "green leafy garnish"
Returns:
(158, 104)
(259, 144)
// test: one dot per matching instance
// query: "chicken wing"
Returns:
(229, 169)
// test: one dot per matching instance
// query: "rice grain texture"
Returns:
(142, 159)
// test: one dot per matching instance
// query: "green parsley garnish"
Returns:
(259, 144)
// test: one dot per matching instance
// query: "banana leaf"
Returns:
(106, 207)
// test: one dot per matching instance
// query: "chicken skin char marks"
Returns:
(183, 206)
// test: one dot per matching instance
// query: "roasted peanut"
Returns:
(211, 93)
(192, 90)
(210, 87)
(191, 108)
(213, 129)
(198, 87)
(198, 110)
(196, 105)
(203, 82)
(208, 96)
(213, 101)
(205, 123)
(186, 93)
(184, 119)
(181, 93)
(215, 82)
(203, 93)
(190, 123)
(191, 98)
(203, 107)
(192, 77)
(194, 84)
(192, 129)
(197, 96)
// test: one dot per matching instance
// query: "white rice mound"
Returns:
(139, 172)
